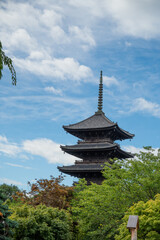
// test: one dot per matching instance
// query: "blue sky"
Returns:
(58, 49)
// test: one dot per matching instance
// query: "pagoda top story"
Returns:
(97, 123)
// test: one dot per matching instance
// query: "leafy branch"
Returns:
(5, 60)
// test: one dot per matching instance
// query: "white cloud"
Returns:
(37, 55)
(18, 20)
(142, 105)
(52, 36)
(41, 106)
(10, 149)
(70, 26)
(58, 35)
(136, 18)
(3, 139)
(9, 181)
(21, 40)
(50, 17)
(53, 90)
(133, 18)
(84, 35)
(63, 68)
(108, 81)
(93, 8)
(41, 147)
(47, 149)
(17, 165)
(27, 27)
(133, 149)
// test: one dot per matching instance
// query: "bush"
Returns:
(45, 223)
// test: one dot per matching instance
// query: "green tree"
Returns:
(98, 209)
(8, 190)
(4, 60)
(41, 222)
(149, 220)
(6, 224)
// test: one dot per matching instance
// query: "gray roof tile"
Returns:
(95, 121)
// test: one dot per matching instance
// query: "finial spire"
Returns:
(100, 96)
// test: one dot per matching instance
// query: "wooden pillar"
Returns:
(133, 234)
(133, 225)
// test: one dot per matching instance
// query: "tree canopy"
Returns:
(99, 209)
(41, 222)
(8, 190)
(50, 192)
(149, 218)
(5, 60)
(6, 224)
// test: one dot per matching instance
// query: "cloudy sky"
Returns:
(58, 48)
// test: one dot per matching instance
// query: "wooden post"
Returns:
(133, 225)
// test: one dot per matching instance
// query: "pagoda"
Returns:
(96, 146)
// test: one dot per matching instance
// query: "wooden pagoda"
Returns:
(97, 146)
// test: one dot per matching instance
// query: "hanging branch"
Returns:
(4, 60)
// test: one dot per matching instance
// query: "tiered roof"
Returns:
(83, 150)
(96, 123)
(98, 134)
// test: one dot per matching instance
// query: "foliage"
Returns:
(8, 190)
(98, 209)
(48, 192)
(4, 60)
(97, 212)
(149, 219)
(41, 222)
(5, 223)
(138, 178)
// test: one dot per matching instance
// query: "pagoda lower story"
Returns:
(91, 172)
(97, 145)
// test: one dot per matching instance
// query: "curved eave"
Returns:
(89, 147)
(121, 134)
(124, 153)
(71, 130)
(124, 133)
(81, 168)
(114, 149)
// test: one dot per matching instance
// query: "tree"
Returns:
(4, 60)
(6, 224)
(41, 222)
(49, 192)
(8, 190)
(149, 219)
(99, 209)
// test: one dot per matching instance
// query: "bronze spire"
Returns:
(100, 95)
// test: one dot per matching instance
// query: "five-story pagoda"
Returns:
(97, 146)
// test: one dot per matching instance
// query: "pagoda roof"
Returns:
(82, 168)
(98, 122)
(96, 147)
(90, 146)
(94, 122)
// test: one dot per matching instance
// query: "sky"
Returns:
(58, 49)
